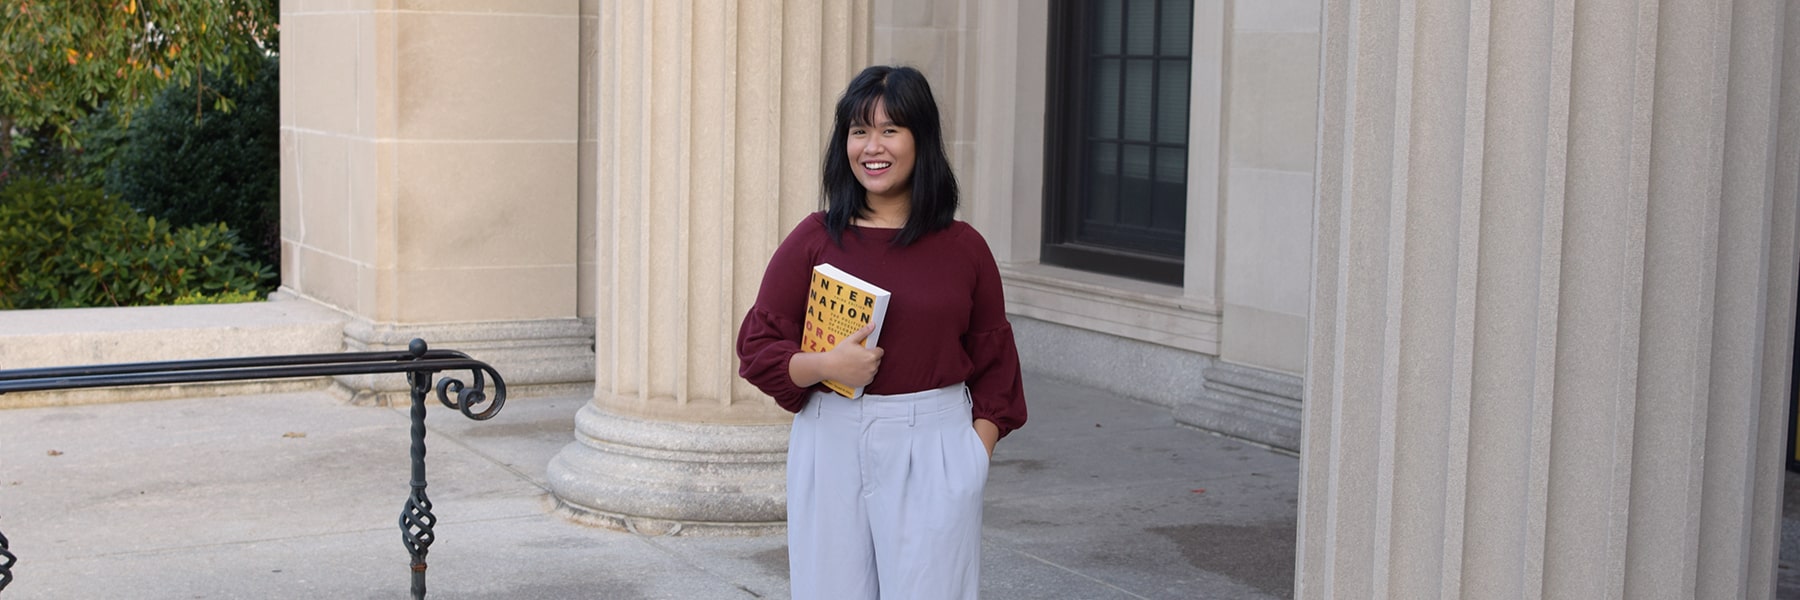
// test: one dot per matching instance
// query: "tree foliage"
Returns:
(225, 167)
(62, 59)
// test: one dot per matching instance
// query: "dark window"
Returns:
(1116, 177)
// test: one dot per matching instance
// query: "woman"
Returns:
(884, 490)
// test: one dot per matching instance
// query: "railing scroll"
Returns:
(419, 363)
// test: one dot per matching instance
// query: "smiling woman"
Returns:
(888, 114)
(884, 489)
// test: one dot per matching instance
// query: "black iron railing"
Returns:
(417, 362)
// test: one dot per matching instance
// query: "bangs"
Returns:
(862, 107)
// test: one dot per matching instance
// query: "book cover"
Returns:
(838, 304)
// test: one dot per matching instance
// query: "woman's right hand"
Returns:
(848, 363)
(852, 364)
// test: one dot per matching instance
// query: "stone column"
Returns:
(1553, 300)
(712, 119)
(429, 180)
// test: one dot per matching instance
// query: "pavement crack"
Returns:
(1074, 572)
(1177, 482)
(697, 566)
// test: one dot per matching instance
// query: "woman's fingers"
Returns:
(861, 334)
(857, 364)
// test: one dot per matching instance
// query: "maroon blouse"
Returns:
(946, 322)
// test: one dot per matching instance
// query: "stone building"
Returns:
(1532, 262)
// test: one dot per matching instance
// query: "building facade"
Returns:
(1531, 263)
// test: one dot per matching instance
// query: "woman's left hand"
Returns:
(989, 433)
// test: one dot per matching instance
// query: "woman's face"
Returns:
(881, 155)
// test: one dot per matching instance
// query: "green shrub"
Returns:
(40, 154)
(187, 162)
(66, 245)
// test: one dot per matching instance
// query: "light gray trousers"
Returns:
(884, 497)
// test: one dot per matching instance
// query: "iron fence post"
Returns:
(6, 562)
(416, 519)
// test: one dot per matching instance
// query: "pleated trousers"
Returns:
(884, 497)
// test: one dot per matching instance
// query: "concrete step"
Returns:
(92, 336)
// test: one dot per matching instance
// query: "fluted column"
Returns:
(1553, 301)
(712, 117)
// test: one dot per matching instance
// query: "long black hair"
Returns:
(909, 104)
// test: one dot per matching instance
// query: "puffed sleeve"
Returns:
(770, 334)
(995, 383)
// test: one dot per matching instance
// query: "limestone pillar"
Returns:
(1553, 300)
(429, 176)
(712, 117)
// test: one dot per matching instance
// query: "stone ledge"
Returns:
(1202, 392)
(1134, 369)
(537, 358)
(1248, 403)
(91, 336)
(1114, 306)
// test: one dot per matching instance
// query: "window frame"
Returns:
(1065, 154)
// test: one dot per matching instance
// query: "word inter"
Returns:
(830, 300)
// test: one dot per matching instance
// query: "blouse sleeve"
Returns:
(995, 383)
(770, 334)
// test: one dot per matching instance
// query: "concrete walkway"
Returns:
(297, 496)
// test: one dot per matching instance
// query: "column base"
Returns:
(672, 478)
(1246, 402)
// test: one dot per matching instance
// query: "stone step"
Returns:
(91, 336)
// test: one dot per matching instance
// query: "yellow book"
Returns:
(838, 304)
